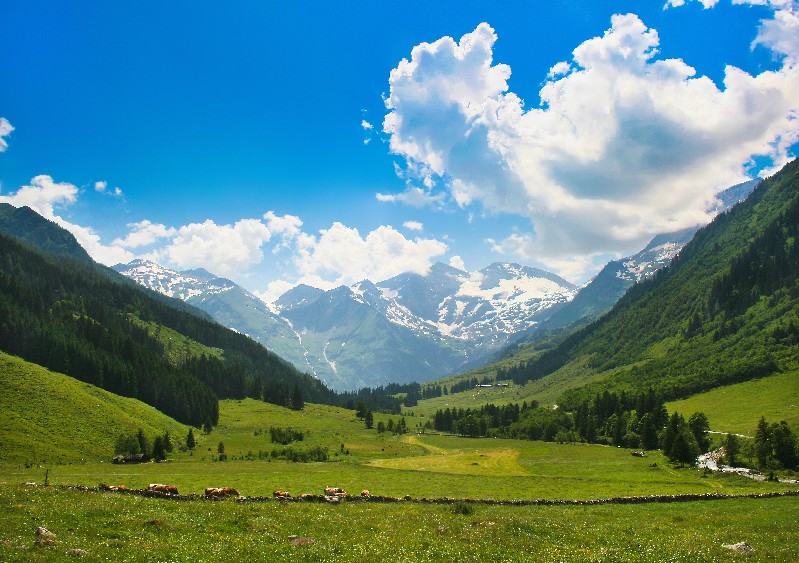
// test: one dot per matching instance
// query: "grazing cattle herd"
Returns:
(331, 494)
(336, 494)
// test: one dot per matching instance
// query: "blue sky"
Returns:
(275, 143)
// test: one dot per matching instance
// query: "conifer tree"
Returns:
(732, 448)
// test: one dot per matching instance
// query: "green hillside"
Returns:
(47, 417)
(738, 407)
(25, 223)
(77, 318)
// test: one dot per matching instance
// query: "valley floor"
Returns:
(103, 525)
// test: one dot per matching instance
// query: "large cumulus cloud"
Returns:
(622, 146)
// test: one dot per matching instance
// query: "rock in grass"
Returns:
(302, 541)
(741, 547)
(42, 532)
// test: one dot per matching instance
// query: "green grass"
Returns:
(49, 417)
(177, 347)
(108, 526)
(737, 408)
(417, 465)
(126, 527)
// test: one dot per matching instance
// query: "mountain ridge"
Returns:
(426, 324)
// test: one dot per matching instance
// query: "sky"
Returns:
(325, 143)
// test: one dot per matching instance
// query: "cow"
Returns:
(104, 487)
(281, 494)
(331, 491)
(166, 489)
(365, 493)
(221, 492)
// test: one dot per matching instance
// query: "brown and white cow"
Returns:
(281, 494)
(159, 488)
(220, 492)
(104, 487)
(331, 491)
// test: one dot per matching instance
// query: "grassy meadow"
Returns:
(419, 465)
(61, 431)
(112, 526)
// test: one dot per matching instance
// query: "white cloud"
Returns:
(44, 195)
(225, 250)
(415, 197)
(287, 226)
(273, 291)
(5, 130)
(781, 35)
(559, 69)
(623, 146)
(339, 255)
(413, 226)
(457, 262)
(678, 3)
(522, 246)
(144, 233)
(101, 186)
(366, 125)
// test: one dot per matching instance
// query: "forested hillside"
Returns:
(25, 223)
(725, 310)
(71, 316)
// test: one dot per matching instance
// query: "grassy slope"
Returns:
(177, 347)
(737, 408)
(46, 416)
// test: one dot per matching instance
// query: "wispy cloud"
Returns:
(101, 186)
(5, 130)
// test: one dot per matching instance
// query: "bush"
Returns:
(463, 508)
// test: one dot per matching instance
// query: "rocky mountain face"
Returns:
(409, 328)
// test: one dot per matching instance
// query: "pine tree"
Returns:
(732, 448)
(297, 402)
(369, 419)
(159, 451)
(700, 426)
(762, 443)
(684, 449)
(190, 442)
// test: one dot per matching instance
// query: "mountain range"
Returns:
(414, 327)
(411, 327)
